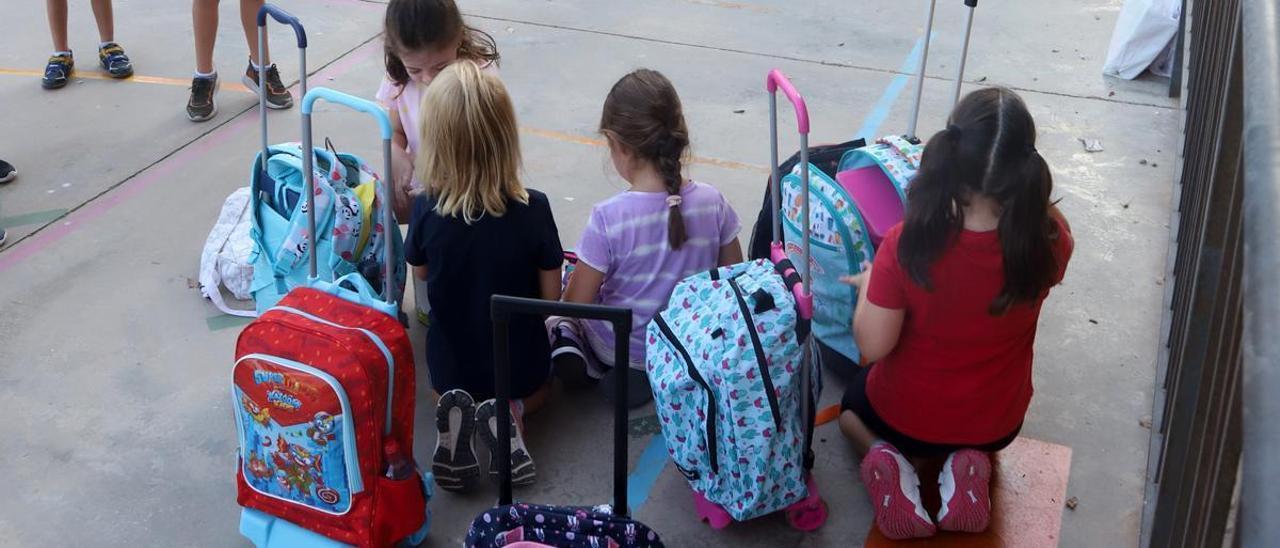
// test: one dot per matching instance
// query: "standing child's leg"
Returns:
(201, 105)
(278, 97)
(60, 66)
(110, 55)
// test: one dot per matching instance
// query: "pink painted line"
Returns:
(66, 226)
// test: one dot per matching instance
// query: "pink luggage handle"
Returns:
(775, 80)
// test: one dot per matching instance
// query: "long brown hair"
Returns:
(470, 144)
(412, 25)
(643, 114)
(988, 149)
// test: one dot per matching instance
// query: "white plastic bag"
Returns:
(1143, 31)
(225, 259)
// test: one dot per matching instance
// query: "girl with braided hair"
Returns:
(639, 243)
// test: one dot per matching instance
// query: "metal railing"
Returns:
(1217, 400)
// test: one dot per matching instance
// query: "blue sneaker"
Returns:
(114, 61)
(58, 71)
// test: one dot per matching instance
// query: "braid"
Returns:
(667, 160)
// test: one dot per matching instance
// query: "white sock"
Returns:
(206, 76)
(104, 44)
(67, 53)
(256, 67)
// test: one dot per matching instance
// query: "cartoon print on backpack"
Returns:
(289, 423)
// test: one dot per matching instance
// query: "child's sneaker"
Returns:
(568, 359)
(58, 71)
(278, 96)
(965, 487)
(202, 106)
(895, 493)
(3, 236)
(7, 172)
(454, 462)
(522, 470)
(114, 61)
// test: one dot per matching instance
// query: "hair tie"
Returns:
(674, 200)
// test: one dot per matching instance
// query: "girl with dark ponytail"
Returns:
(639, 243)
(946, 317)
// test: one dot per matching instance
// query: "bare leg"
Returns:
(537, 400)
(858, 433)
(106, 20)
(57, 12)
(249, 19)
(204, 18)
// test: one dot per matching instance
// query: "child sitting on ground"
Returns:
(947, 317)
(639, 243)
(474, 233)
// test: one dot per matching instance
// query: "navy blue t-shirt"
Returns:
(466, 266)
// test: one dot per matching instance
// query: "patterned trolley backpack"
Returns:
(733, 382)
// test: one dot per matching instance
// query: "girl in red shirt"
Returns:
(947, 317)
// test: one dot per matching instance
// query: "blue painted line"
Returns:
(652, 461)
(654, 458)
(871, 126)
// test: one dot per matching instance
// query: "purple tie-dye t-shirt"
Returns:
(626, 239)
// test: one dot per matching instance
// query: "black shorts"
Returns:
(855, 400)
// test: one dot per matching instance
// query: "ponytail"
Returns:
(1027, 233)
(988, 149)
(643, 114)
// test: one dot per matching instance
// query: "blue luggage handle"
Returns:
(300, 33)
(284, 18)
(388, 220)
(351, 102)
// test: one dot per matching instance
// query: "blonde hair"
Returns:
(470, 151)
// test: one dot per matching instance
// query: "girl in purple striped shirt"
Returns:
(639, 243)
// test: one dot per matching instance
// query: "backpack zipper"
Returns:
(386, 354)
(697, 377)
(759, 349)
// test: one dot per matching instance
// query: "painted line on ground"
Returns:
(647, 470)
(597, 142)
(163, 169)
(226, 321)
(136, 79)
(35, 217)
(880, 112)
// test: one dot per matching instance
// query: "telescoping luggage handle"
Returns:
(502, 308)
(924, 59)
(776, 80)
(308, 160)
(283, 17)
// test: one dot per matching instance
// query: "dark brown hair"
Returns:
(988, 149)
(643, 115)
(412, 25)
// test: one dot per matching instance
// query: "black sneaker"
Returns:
(7, 172)
(454, 462)
(278, 96)
(201, 106)
(58, 71)
(568, 359)
(3, 236)
(114, 61)
(522, 469)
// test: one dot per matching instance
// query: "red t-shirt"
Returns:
(958, 375)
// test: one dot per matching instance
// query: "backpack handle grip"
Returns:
(384, 127)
